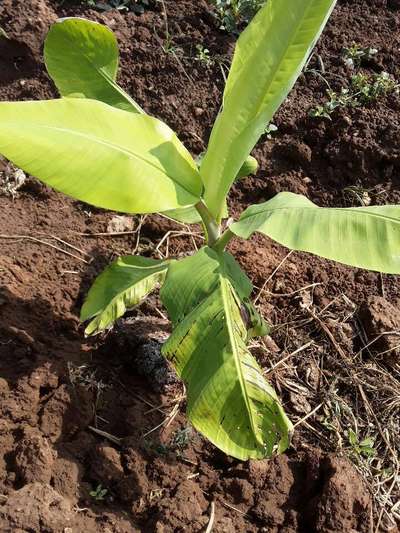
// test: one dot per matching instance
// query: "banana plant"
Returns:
(98, 145)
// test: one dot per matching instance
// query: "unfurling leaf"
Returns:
(250, 166)
(269, 57)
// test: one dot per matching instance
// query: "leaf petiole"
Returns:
(211, 227)
(223, 240)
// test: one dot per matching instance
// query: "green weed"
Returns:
(369, 88)
(355, 54)
(181, 439)
(232, 14)
(362, 89)
(203, 55)
(136, 6)
(335, 100)
(361, 448)
(270, 130)
(99, 493)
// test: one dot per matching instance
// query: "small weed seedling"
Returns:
(169, 47)
(203, 55)
(367, 89)
(364, 448)
(181, 439)
(234, 13)
(99, 493)
(363, 89)
(355, 54)
(136, 6)
(270, 130)
(335, 100)
(97, 145)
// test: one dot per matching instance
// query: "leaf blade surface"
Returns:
(269, 56)
(364, 237)
(101, 155)
(82, 58)
(228, 399)
(121, 286)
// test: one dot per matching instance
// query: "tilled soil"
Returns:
(76, 413)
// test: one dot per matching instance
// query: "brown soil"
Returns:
(54, 384)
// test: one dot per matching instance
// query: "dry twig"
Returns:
(39, 241)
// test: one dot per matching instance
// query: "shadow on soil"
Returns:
(54, 385)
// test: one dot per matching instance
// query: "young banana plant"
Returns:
(96, 144)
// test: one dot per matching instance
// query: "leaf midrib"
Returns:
(325, 211)
(109, 79)
(137, 267)
(221, 285)
(224, 288)
(119, 90)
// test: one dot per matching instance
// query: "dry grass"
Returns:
(350, 398)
